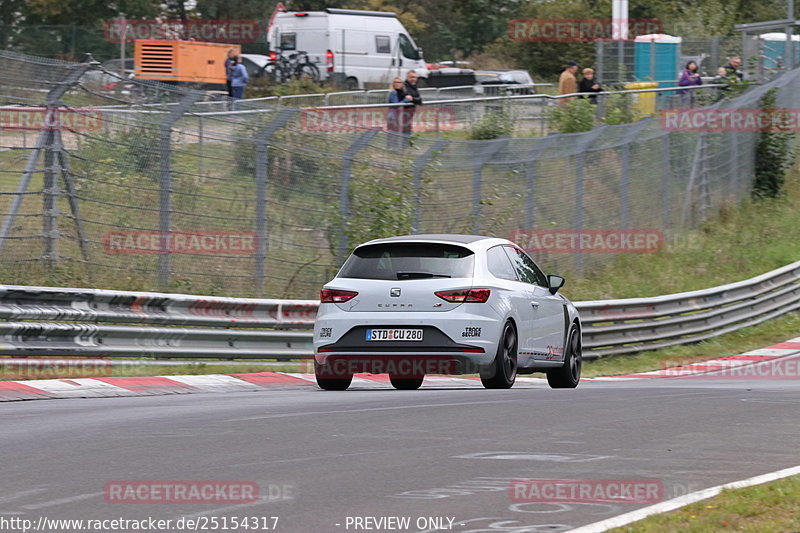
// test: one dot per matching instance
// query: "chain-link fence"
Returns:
(662, 58)
(153, 187)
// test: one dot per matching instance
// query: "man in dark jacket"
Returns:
(732, 68)
(412, 97)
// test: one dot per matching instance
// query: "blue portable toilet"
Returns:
(773, 49)
(656, 58)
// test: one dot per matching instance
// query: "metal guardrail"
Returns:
(36, 321)
(90, 322)
(638, 324)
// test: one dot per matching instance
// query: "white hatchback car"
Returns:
(445, 304)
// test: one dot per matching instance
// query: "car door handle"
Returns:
(535, 305)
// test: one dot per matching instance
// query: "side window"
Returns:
(499, 264)
(383, 44)
(288, 41)
(407, 48)
(525, 267)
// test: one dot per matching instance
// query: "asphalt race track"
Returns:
(325, 461)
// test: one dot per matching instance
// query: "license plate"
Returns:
(394, 334)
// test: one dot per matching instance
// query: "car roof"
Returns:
(258, 59)
(438, 237)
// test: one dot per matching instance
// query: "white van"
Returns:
(361, 49)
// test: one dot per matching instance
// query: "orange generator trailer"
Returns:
(181, 62)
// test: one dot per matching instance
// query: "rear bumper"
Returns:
(403, 364)
(463, 331)
(436, 353)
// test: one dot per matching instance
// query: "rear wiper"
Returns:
(419, 275)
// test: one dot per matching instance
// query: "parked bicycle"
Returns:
(296, 66)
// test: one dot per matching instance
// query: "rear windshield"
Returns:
(409, 261)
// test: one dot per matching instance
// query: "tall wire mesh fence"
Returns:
(154, 187)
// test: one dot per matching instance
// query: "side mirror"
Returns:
(555, 283)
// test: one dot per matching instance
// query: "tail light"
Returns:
(301, 14)
(465, 296)
(273, 56)
(334, 296)
(329, 60)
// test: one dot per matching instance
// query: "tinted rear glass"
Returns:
(409, 261)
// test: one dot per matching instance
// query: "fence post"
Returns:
(733, 161)
(262, 176)
(666, 172)
(492, 147)
(16, 202)
(624, 192)
(598, 50)
(49, 203)
(69, 186)
(165, 192)
(344, 193)
(52, 163)
(200, 163)
(530, 178)
(696, 180)
(419, 168)
(582, 147)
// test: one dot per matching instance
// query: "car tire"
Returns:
(351, 84)
(569, 374)
(328, 382)
(404, 383)
(503, 370)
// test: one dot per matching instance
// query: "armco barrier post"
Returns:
(165, 193)
(262, 175)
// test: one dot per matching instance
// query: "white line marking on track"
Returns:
(17, 495)
(61, 501)
(677, 503)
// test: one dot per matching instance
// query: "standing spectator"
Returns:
(412, 96)
(732, 68)
(721, 79)
(589, 85)
(239, 79)
(689, 78)
(397, 94)
(567, 83)
(230, 61)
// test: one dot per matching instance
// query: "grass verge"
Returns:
(769, 508)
